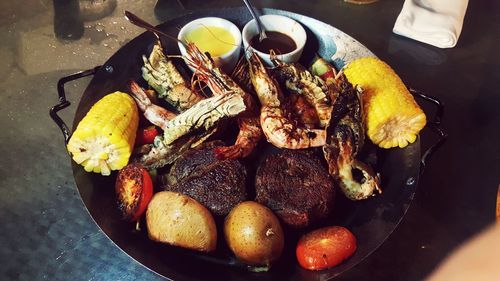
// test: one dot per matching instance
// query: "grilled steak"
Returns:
(296, 186)
(217, 184)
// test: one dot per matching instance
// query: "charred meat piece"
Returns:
(296, 186)
(217, 184)
(192, 160)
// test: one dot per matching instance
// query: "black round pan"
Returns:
(372, 220)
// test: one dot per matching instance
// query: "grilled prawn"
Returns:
(299, 80)
(222, 85)
(279, 130)
(344, 139)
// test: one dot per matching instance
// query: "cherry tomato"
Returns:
(325, 247)
(328, 74)
(146, 135)
(134, 189)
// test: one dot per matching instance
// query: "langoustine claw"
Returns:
(345, 137)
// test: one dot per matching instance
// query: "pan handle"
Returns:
(434, 124)
(63, 103)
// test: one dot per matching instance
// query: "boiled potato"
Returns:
(179, 220)
(254, 233)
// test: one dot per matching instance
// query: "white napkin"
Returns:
(435, 22)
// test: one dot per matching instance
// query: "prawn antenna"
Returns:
(141, 23)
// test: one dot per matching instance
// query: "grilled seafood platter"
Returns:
(273, 147)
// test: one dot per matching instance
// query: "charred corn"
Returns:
(104, 138)
(392, 117)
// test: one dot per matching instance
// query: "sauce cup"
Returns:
(277, 23)
(226, 61)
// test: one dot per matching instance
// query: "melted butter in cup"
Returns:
(213, 39)
(217, 36)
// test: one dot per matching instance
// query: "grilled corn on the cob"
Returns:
(392, 116)
(104, 138)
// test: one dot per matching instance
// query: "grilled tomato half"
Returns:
(134, 189)
(325, 247)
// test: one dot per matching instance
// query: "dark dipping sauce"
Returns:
(276, 41)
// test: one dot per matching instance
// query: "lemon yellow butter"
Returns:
(213, 39)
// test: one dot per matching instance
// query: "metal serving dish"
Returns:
(372, 221)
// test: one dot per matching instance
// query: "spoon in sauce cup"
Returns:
(285, 37)
(262, 33)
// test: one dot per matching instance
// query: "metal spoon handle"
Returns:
(262, 34)
(142, 23)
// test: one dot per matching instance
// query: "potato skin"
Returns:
(254, 234)
(179, 220)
